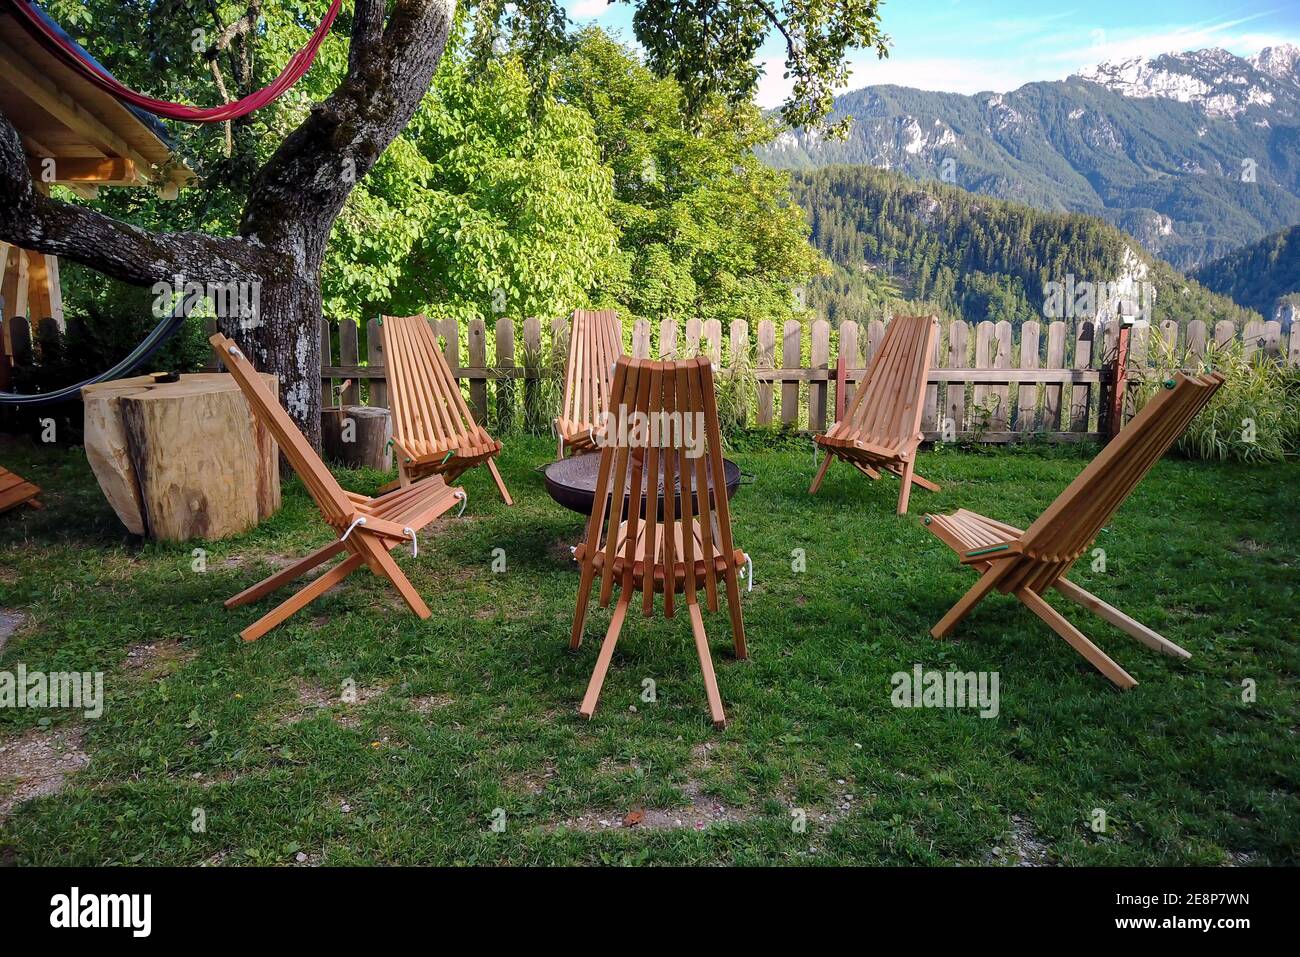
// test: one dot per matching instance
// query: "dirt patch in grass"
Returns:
(701, 812)
(37, 763)
(430, 702)
(1024, 848)
(155, 658)
(531, 782)
(561, 551)
(313, 699)
(10, 622)
(276, 561)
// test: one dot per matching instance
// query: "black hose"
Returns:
(165, 329)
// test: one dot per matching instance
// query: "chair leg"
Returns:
(925, 483)
(737, 619)
(285, 575)
(1077, 640)
(969, 600)
(1120, 620)
(302, 598)
(706, 666)
(386, 566)
(905, 487)
(584, 597)
(821, 474)
(588, 706)
(501, 486)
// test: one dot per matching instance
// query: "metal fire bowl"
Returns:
(572, 483)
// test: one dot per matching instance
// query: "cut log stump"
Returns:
(181, 460)
(357, 436)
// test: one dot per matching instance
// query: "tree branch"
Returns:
(134, 255)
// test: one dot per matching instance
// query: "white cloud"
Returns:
(586, 9)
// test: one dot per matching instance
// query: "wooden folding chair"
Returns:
(882, 428)
(1027, 563)
(16, 490)
(367, 527)
(595, 343)
(647, 531)
(434, 432)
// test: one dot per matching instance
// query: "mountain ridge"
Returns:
(1205, 160)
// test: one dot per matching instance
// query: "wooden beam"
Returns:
(38, 293)
(54, 289)
(14, 287)
(80, 169)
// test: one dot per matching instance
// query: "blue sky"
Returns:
(966, 46)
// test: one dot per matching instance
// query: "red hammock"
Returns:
(50, 36)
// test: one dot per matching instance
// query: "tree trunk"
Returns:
(285, 339)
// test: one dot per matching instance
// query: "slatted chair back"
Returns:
(595, 343)
(886, 409)
(333, 502)
(663, 419)
(1071, 523)
(430, 414)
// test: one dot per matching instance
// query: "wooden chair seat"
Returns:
(576, 437)
(415, 505)
(16, 490)
(864, 448)
(881, 430)
(467, 455)
(595, 343)
(367, 528)
(434, 432)
(965, 530)
(658, 562)
(1028, 563)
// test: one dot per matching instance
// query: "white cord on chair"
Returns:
(415, 545)
(359, 520)
(748, 573)
(463, 502)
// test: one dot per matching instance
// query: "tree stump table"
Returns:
(357, 436)
(182, 459)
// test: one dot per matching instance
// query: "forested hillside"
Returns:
(1263, 276)
(935, 246)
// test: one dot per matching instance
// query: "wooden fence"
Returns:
(988, 383)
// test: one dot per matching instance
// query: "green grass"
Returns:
(475, 709)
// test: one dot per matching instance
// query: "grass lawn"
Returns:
(476, 709)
